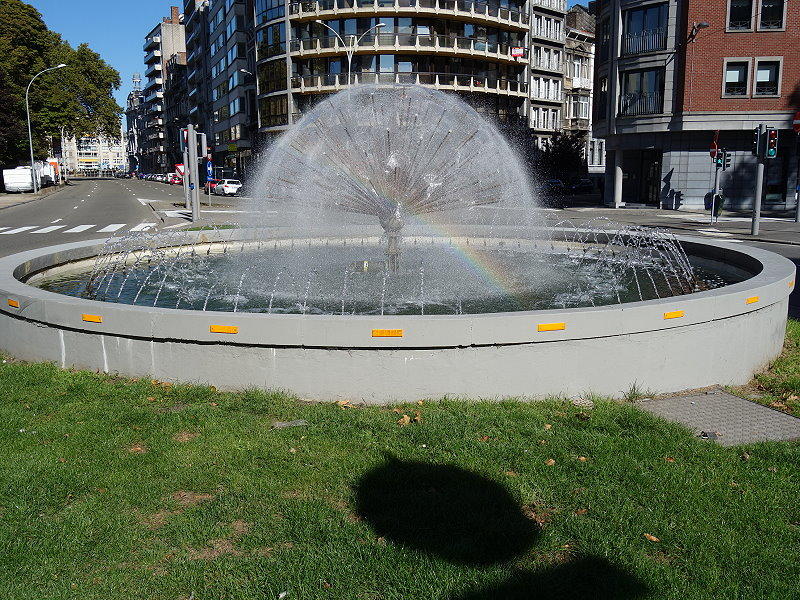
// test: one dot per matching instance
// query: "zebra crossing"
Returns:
(115, 228)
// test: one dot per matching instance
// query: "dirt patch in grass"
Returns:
(184, 499)
(221, 546)
(184, 436)
(138, 449)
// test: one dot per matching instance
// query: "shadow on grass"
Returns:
(466, 518)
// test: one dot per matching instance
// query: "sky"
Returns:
(115, 29)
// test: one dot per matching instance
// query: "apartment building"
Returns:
(134, 123)
(164, 41)
(92, 154)
(232, 84)
(198, 70)
(673, 76)
(579, 53)
(481, 51)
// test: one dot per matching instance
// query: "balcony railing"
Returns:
(559, 5)
(451, 81)
(548, 34)
(641, 103)
(766, 89)
(546, 64)
(151, 56)
(735, 89)
(410, 41)
(650, 40)
(151, 42)
(557, 96)
(473, 8)
(152, 69)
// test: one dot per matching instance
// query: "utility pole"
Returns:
(759, 150)
(185, 144)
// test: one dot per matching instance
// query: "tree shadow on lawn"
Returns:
(469, 519)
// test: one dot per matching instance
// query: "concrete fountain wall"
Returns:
(722, 336)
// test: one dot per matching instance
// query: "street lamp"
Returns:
(696, 27)
(28, 110)
(350, 48)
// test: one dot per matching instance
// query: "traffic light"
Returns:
(772, 143)
(719, 159)
(726, 160)
(756, 141)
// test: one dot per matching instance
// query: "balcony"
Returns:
(153, 69)
(408, 42)
(158, 122)
(547, 96)
(546, 33)
(440, 81)
(152, 43)
(581, 83)
(152, 56)
(156, 108)
(641, 103)
(546, 64)
(158, 135)
(557, 5)
(478, 11)
(650, 40)
(153, 83)
(156, 95)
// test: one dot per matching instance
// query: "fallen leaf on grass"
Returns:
(510, 473)
(484, 438)
(548, 426)
(772, 469)
(582, 458)
(137, 449)
(581, 511)
(292, 450)
(397, 410)
(652, 538)
(778, 405)
(558, 413)
(792, 398)
(669, 459)
(343, 404)
(550, 462)
(404, 420)
(417, 417)
(582, 416)
(542, 442)
(745, 456)
(62, 459)
(151, 399)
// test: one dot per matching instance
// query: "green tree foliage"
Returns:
(563, 156)
(78, 97)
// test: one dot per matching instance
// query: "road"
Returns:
(91, 209)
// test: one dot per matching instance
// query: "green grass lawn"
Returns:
(118, 489)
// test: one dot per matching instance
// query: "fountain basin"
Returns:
(719, 336)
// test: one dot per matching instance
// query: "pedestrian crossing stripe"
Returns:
(39, 229)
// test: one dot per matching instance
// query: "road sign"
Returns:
(796, 122)
(210, 169)
(517, 52)
(714, 149)
(179, 170)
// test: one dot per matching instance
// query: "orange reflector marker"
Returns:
(752, 300)
(13, 303)
(92, 318)
(552, 326)
(387, 333)
(791, 283)
(223, 329)
(675, 314)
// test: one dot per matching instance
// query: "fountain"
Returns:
(394, 252)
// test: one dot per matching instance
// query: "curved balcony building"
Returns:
(480, 50)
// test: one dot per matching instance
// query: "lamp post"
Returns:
(28, 110)
(350, 48)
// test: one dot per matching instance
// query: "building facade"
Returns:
(198, 72)
(90, 155)
(165, 40)
(134, 124)
(673, 76)
(579, 85)
(231, 81)
(176, 107)
(490, 54)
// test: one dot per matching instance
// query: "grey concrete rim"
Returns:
(769, 286)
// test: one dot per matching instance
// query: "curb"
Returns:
(40, 197)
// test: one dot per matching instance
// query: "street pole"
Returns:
(186, 175)
(759, 181)
(715, 193)
(191, 170)
(28, 110)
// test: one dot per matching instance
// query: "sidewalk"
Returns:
(733, 225)
(13, 199)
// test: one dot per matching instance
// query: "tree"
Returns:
(563, 156)
(78, 98)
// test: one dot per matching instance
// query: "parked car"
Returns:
(583, 186)
(176, 179)
(227, 187)
(210, 185)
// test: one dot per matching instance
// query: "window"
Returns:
(273, 111)
(740, 14)
(219, 67)
(642, 92)
(271, 40)
(736, 73)
(236, 51)
(232, 27)
(645, 29)
(268, 10)
(767, 78)
(771, 14)
(218, 44)
(218, 17)
(235, 107)
(272, 76)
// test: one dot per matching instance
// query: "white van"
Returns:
(19, 179)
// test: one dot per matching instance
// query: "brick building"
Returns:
(670, 74)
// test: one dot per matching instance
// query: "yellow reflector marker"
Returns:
(675, 314)
(791, 283)
(223, 329)
(13, 303)
(92, 318)
(752, 300)
(387, 333)
(552, 326)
